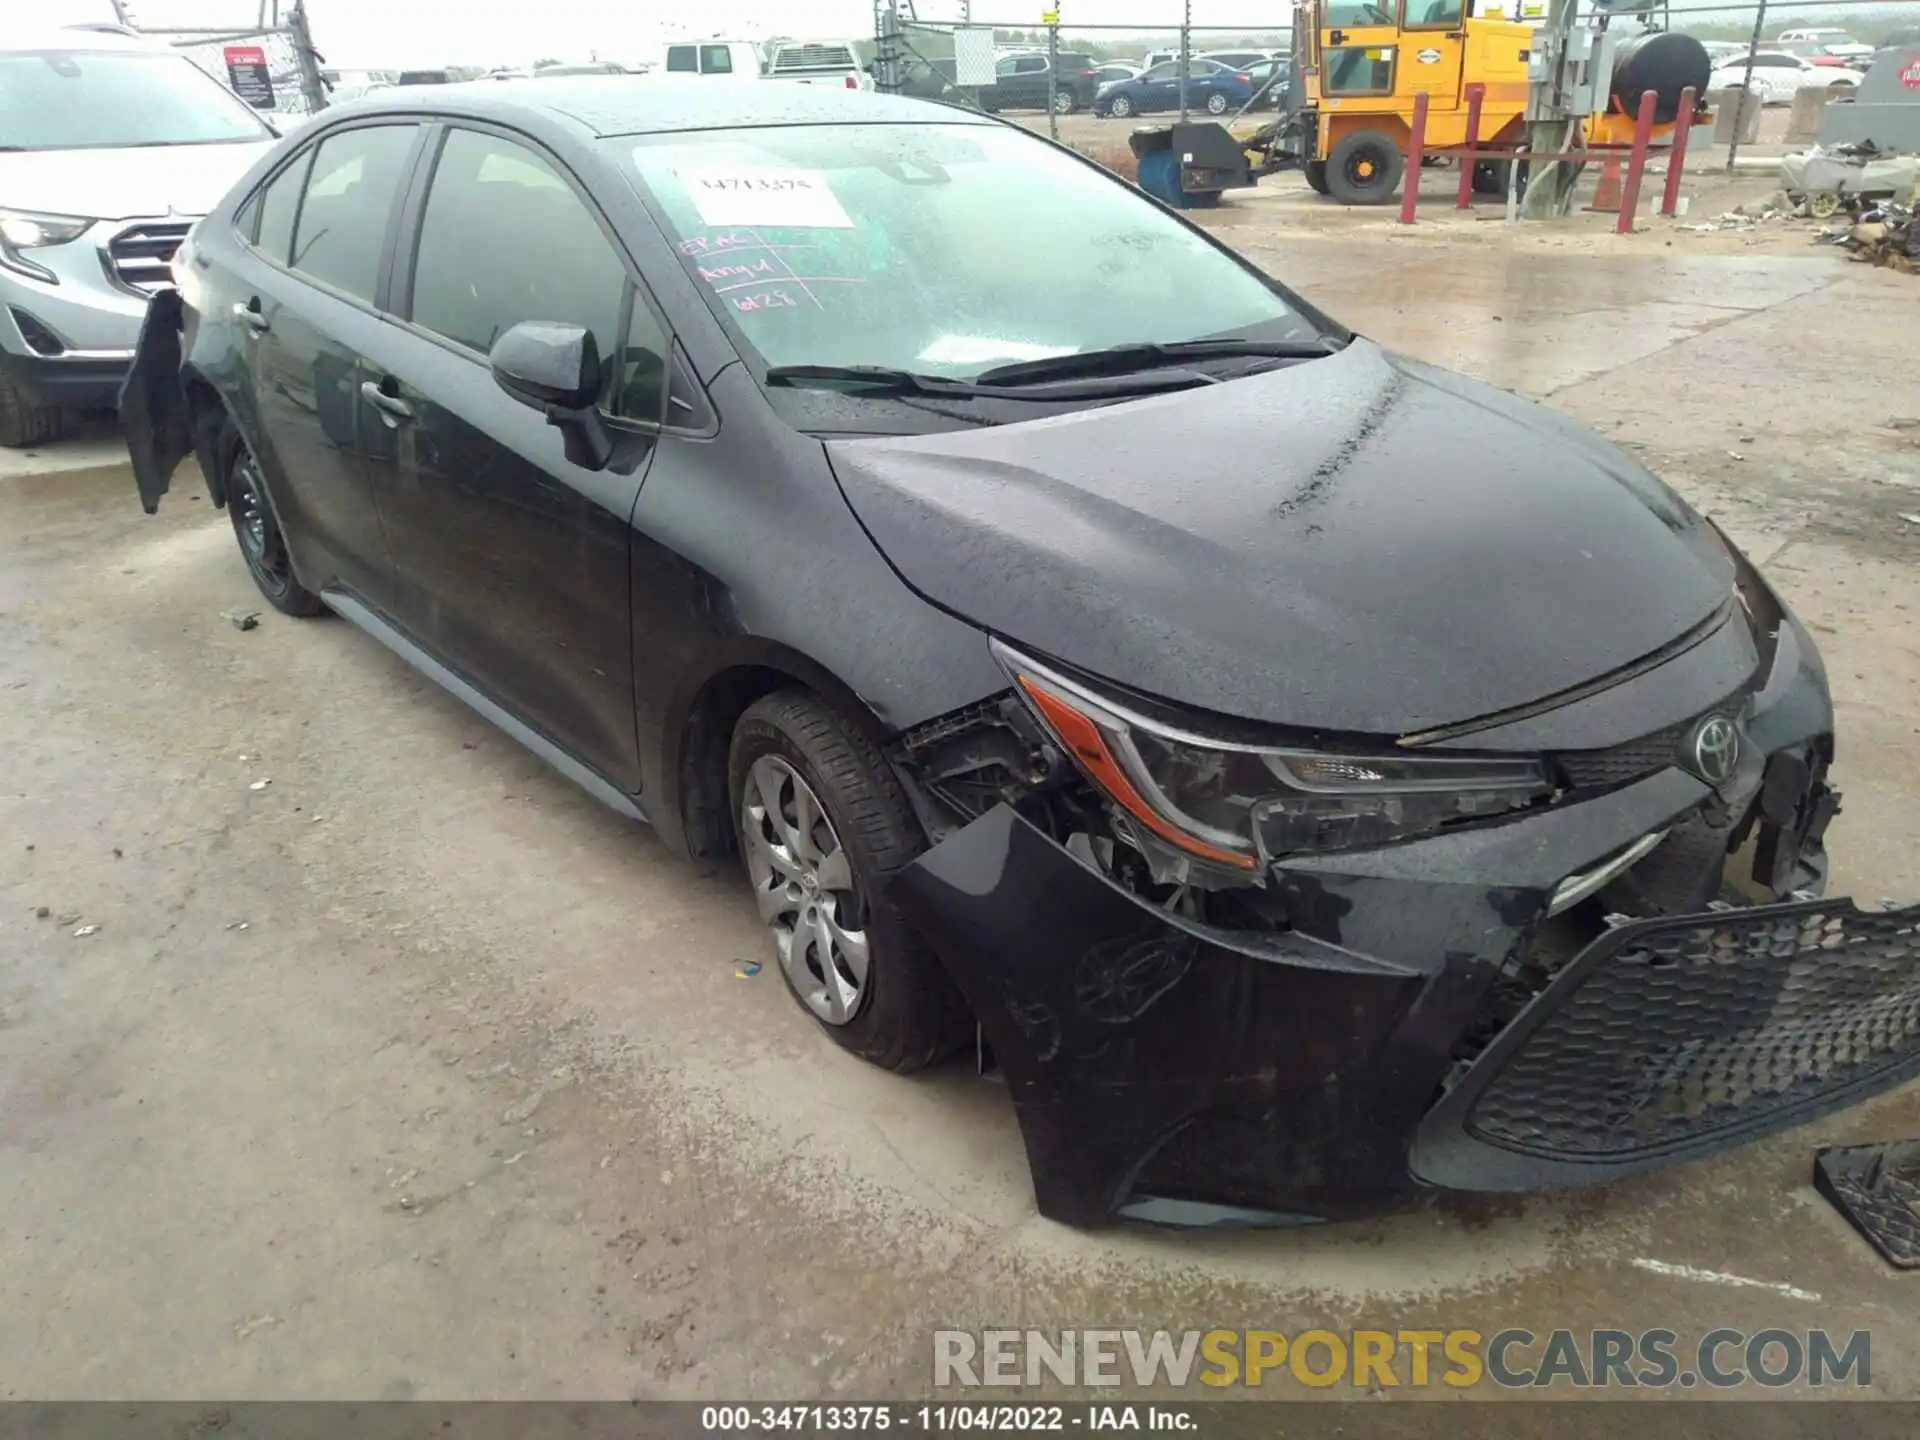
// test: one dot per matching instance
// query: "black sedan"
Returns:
(833, 480)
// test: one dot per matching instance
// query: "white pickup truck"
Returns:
(851, 63)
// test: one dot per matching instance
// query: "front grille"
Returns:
(1664, 1034)
(140, 254)
(1603, 769)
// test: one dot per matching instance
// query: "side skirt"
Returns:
(588, 779)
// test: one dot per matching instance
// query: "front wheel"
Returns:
(823, 821)
(257, 528)
(22, 424)
(1216, 104)
(1365, 169)
(1121, 107)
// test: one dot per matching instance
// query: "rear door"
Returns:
(1434, 43)
(513, 562)
(308, 309)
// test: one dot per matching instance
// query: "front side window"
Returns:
(104, 100)
(683, 59)
(350, 194)
(1357, 70)
(716, 60)
(937, 248)
(505, 239)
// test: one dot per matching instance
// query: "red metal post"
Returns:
(1416, 154)
(1636, 162)
(1475, 94)
(1677, 156)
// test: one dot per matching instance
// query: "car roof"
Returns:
(76, 37)
(662, 104)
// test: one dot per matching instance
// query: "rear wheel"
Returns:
(262, 545)
(1063, 102)
(1364, 169)
(1316, 173)
(823, 822)
(22, 424)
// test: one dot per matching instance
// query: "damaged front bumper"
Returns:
(1408, 1027)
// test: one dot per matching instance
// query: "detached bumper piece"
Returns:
(1877, 1187)
(1673, 1038)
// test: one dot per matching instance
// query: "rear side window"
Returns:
(278, 204)
(716, 60)
(349, 197)
(683, 58)
(505, 239)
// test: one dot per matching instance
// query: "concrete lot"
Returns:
(416, 1073)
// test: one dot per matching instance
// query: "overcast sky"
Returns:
(385, 33)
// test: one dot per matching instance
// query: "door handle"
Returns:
(249, 315)
(392, 408)
(1336, 37)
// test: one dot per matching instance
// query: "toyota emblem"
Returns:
(1714, 750)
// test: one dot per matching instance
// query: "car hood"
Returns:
(1360, 543)
(143, 181)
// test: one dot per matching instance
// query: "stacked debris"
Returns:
(1881, 233)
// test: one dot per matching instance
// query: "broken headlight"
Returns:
(1241, 805)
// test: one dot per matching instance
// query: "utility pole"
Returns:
(311, 85)
(1549, 126)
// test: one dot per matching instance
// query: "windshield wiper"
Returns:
(887, 379)
(876, 377)
(1147, 355)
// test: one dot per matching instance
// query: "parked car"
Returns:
(1211, 88)
(1834, 42)
(1269, 820)
(1020, 82)
(1157, 57)
(1814, 51)
(110, 147)
(1777, 77)
(722, 59)
(1113, 70)
(1237, 59)
(850, 64)
(1272, 81)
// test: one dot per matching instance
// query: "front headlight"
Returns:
(1243, 805)
(23, 230)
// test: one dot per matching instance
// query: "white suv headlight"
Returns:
(24, 230)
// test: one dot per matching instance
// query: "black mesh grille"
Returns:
(1601, 769)
(1689, 1028)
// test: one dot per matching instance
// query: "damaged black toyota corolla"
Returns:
(1310, 775)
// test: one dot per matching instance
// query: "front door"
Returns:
(1359, 48)
(512, 562)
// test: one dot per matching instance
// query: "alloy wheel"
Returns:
(1122, 107)
(804, 885)
(1216, 104)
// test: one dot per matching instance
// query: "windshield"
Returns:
(94, 100)
(941, 249)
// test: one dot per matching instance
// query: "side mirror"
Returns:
(556, 369)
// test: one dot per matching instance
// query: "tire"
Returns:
(1365, 169)
(1120, 107)
(257, 530)
(1064, 103)
(21, 424)
(1217, 104)
(1490, 177)
(904, 1012)
(1316, 173)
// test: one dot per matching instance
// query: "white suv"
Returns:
(110, 148)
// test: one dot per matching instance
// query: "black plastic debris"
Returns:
(1877, 1187)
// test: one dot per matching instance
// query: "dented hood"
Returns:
(1357, 543)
